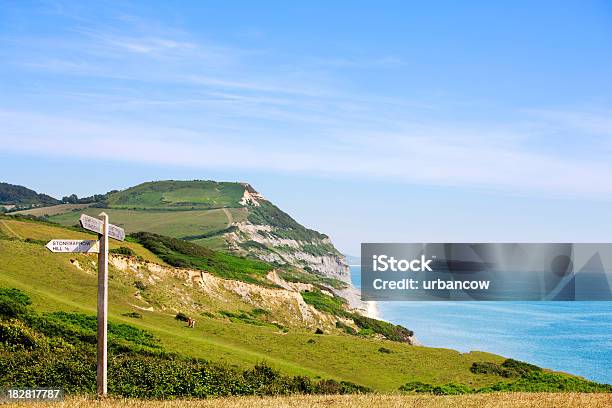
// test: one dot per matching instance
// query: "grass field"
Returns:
(52, 210)
(45, 232)
(176, 224)
(501, 400)
(55, 284)
(179, 195)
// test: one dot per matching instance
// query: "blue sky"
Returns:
(370, 121)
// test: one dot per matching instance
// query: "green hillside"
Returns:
(55, 284)
(19, 195)
(62, 289)
(226, 216)
(195, 224)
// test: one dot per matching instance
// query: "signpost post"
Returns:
(102, 379)
(104, 230)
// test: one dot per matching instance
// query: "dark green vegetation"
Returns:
(520, 377)
(509, 368)
(96, 198)
(185, 254)
(316, 279)
(123, 251)
(367, 326)
(269, 214)
(60, 348)
(19, 195)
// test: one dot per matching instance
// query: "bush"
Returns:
(15, 335)
(527, 378)
(446, 389)
(140, 285)
(184, 254)
(182, 317)
(317, 299)
(367, 326)
(13, 303)
(122, 251)
(509, 368)
(389, 330)
(345, 328)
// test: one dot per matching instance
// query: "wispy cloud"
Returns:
(163, 97)
(422, 157)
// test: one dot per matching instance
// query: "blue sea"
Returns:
(575, 337)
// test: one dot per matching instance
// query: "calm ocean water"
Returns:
(575, 337)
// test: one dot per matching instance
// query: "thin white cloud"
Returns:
(415, 158)
(584, 121)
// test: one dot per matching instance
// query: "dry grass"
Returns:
(497, 400)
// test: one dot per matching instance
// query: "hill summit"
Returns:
(260, 229)
(228, 216)
(12, 195)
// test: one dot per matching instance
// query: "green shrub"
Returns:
(140, 285)
(182, 317)
(345, 328)
(520, 377)
(13, 303)
(389, 330)
(15, 335)
(540, 381)
(509, 368)
(84, 327)
(446, 389)
(122, 251)
(35, 241)
(184, 254)
(367, 326)
(333, 305)
(286, 227)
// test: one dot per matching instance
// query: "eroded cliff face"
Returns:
(272, 236)
(194, 291)
(316, 255)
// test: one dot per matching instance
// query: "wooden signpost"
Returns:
(104, 230)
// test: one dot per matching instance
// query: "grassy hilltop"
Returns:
(210, 213)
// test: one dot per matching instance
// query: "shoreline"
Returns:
(486, 326)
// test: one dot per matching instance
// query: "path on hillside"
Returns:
(230, 219)
(10, 229)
